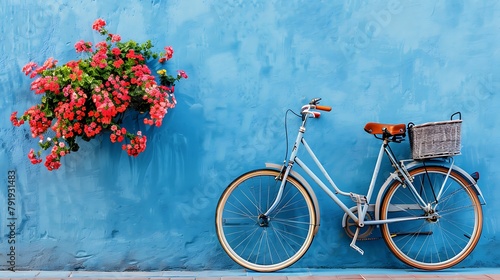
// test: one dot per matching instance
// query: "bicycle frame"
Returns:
(362, 201)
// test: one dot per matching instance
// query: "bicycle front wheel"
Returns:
(445, 231)
(265, 243)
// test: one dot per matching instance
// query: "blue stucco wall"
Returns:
(248, 61)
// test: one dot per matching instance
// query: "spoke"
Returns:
(288, 236)
(257, 203)
(448, 197)
(291, 223)
(269, 249)
(248, 212)
(241, 214)
(284, 239)
(257, 245)
(446, 240)
(287, 203)
(247, 236)
(406, 237)
(454, 210)
(403, 207)
(231, 223)
(455, 234)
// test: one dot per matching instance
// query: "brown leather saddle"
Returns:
(391, 129)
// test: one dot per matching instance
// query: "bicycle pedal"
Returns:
(353, 243)
(355, 247)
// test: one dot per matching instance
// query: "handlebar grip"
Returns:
(323, 108)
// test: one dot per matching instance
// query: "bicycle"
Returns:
(428, 210)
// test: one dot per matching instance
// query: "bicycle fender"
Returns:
(306, 185)
(393, 177)
(457, 169)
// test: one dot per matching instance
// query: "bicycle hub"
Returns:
(263, 220)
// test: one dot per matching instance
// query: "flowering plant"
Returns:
(86, 97)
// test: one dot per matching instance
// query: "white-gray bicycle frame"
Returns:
(362, 201)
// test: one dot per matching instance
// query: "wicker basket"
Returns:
(435, 139)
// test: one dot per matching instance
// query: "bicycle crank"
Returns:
(351, 226)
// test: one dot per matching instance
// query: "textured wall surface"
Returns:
(248, 61)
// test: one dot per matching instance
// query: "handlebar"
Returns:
(313, 105)
(323, 108)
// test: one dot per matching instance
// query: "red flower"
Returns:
(33, 158)
(82, 46)
(49, 63)
(118, 63)
(182, 74)
(98, 24)
(28, 68)
(14, 120)
(116, 51)
(115, 38)
(101, 45)
(137, 145)
(52, 161)
(169, 52)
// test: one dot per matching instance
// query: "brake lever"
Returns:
(315, 101)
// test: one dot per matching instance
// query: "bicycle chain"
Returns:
(368, 238)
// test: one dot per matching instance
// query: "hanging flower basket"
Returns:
(83, 98)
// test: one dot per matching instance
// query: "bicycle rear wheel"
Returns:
(452, 227)
(261, 243)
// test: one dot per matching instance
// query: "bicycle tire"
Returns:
(250, 242)
(439, 242)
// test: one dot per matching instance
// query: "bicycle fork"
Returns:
(285, 170)
(264, 218)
